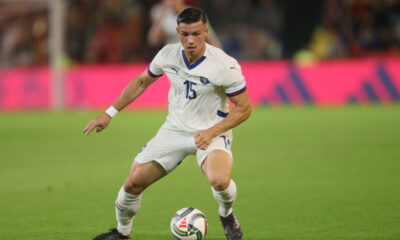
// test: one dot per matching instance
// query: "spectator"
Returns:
(163, 28)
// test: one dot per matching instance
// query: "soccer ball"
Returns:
(189, 224)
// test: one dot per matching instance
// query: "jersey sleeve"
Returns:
(155, 67)
(234, 81)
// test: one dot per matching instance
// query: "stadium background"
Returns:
(318, 159)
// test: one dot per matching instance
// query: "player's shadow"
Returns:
(162, 236)
(215, 238)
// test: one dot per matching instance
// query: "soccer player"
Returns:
(203, 78)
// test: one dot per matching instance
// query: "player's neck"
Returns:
(193, 58)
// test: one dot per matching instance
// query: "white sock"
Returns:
(226, 199)
(126, 207)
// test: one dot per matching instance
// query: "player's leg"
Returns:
(143, 175)
(217, 166)
(157, 158)
(129, 197)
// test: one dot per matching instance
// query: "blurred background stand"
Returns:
(55, 53)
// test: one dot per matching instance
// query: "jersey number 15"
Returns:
(190, 92)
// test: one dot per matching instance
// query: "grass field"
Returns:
(302, 173)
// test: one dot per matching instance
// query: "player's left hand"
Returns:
(203, 138)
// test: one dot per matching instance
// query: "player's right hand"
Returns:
(100, 123)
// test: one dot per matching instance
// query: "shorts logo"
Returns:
(204, 80)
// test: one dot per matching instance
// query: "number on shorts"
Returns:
(227, 142)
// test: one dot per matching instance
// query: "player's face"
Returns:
(193, 38)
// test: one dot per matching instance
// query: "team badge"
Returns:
(204, 80)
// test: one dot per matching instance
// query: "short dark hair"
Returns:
(191, 15)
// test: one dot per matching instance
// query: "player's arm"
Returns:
(133, 90)
(239, 113)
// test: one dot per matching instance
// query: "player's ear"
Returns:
(206, 28)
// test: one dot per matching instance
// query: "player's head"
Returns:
(192, 30)
(191, 15)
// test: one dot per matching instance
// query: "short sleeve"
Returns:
(155, 67)
(234, 81)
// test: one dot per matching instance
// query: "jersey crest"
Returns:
(204, 80)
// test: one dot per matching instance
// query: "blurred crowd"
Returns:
(248, 30)
(357, 28)
(105, 31)
(114, 31)
(23, 33)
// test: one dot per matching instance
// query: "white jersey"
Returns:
(168, 22)
(198, 97)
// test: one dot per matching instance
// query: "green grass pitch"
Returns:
(302, 173)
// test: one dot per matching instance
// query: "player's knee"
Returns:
(133, 187)
(220, 183)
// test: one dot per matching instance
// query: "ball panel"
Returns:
(189, 224)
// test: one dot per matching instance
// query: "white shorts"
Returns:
(169, 148)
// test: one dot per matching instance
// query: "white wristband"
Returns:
(111, 111)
